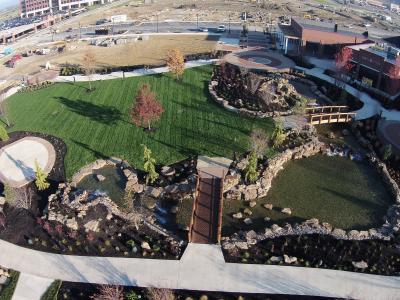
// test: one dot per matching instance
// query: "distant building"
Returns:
(31, 8)
(72, 4)
(373, 66)
(306, 37)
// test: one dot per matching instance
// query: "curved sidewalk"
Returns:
(139, 72)
(371, 106)
(203, 268)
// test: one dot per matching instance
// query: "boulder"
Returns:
(289, 259)
(100, 177)
(248, 221)
(286, 211)
(2, 200)
(241, 245)
(268, 206)
(154, 192)
(339, 233)
(252, 204)
(72, 224)
(250, 193)
(145, 245)
(360, 264)
(238, 215)
(247, 211)
(267, 219)
(276, 259)
(174, 210)
(92, 225)
(167, 171)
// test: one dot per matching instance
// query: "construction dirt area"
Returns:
(147, 52)
(259, 12)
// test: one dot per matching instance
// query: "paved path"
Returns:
(139, 72)
(30, 287)
(212, 274)
(371, 106)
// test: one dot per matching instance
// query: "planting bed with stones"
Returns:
(322, 251)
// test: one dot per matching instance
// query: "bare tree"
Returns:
(109, 292)
(160, 294)
(3, 109)
(24, 197)
(259, 142)
(89, 65)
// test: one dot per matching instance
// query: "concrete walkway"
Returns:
(211, 274)
(139, 72)
(31, 287)
(371, 106)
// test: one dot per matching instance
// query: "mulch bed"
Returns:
(77, 291)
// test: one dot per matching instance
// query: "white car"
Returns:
(221, 28)
(203, 29)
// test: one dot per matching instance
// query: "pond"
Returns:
(113, 185)
(342, 192)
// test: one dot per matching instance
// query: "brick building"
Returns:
(375, 66)
(72, 4)
(308, 37)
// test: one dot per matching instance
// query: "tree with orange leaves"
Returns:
(176, 63)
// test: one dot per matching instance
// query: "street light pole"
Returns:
(197, 15)
(229, 30)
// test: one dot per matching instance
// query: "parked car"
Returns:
(203, 29)
(221, 28)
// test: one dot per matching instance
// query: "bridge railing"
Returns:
(196, 194)
(328, 118)
(327, 109)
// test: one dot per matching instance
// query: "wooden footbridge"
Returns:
(206, 222)
(329, 114)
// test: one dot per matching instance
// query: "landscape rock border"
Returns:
(244, 239)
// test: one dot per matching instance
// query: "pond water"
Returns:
(342, 192)
(113, 185)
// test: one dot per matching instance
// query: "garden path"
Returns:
(203, 268)
(371, 106)
(30, 287)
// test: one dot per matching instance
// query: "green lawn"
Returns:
(98, 125)
(344, 193)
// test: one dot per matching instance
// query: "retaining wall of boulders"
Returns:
(244, 239)
(248, 192)
(243, 111)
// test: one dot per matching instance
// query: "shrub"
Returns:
(149, 165)
(278, 136)
(387, 152)
(251, 173)
(41, 178)
(3, 134)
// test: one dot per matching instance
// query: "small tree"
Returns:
(109, 292)
(394, 75)
(176, 63)
(342, 64)
(89, 66)
(258, 142)
(250, 171)
(278, 136)
(149, 165)
(3, 134)
(41, 178)
(387, 152)
(160, 294)
(146, 108)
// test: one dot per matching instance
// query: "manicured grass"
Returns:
(8, 291)
(346, 194)
(52, 291)
(97, 124)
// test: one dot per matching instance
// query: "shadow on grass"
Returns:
(96, 153)
(100, 113)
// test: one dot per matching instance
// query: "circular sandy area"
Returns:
(17, 160)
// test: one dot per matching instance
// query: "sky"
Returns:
(7, 3)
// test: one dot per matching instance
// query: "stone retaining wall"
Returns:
(244, 239)
(243, 111)
(234, 190)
